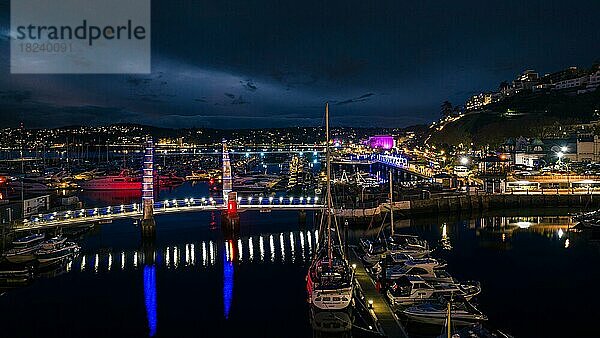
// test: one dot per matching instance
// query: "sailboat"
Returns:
(330, 278)
(396, 244)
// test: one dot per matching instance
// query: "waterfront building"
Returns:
(480, 100)
(525, 81)
(570, 83)
(384, 142)
(588, 148)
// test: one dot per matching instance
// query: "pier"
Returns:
(387, 321)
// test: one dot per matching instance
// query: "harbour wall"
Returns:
(476, 203)
(501, 201)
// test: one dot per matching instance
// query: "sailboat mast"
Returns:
(328, 157)
(448, 321)
(391, 203)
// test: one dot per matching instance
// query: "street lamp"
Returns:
(464, 160)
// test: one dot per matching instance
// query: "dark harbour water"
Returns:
(192, 281)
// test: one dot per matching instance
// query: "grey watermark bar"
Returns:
(80, 37)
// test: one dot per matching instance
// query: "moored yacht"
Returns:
(123, 181)
(23, 248)
(56, 253)
(427, 268)
(53, 242)
(375, 250)
(414, 289)
(330, 278)
(436, 313)
(389, 260)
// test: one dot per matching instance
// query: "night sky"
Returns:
(245, 63)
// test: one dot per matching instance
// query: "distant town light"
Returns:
(464, 160)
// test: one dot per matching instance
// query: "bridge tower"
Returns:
(148, 224)
(226, 176)
(230, 219)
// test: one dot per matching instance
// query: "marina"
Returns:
(383, 275)
(112, 262)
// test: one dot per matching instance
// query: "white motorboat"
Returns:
(389, 260)
(56, 253)
(427, 268)
(330, 278)
(436, 313)
(398, 244)
(24, 248)
(414, 289)
(53, 242)
(408, 244)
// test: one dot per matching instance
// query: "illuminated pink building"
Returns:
(384, 142)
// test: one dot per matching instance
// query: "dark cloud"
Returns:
(249, 85)
(275, 63)
(362, 98)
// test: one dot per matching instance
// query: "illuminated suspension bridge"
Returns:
(149, 207)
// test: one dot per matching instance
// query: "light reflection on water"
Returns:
(296, 247)
(227, 277)
(235, 251)
(150, 298)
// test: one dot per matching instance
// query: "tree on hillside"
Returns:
(446, 108)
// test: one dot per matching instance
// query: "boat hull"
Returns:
(111, 186)
(20, 258)
(45, 258)
(331, 322)
(440, 318)
(336, 299)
